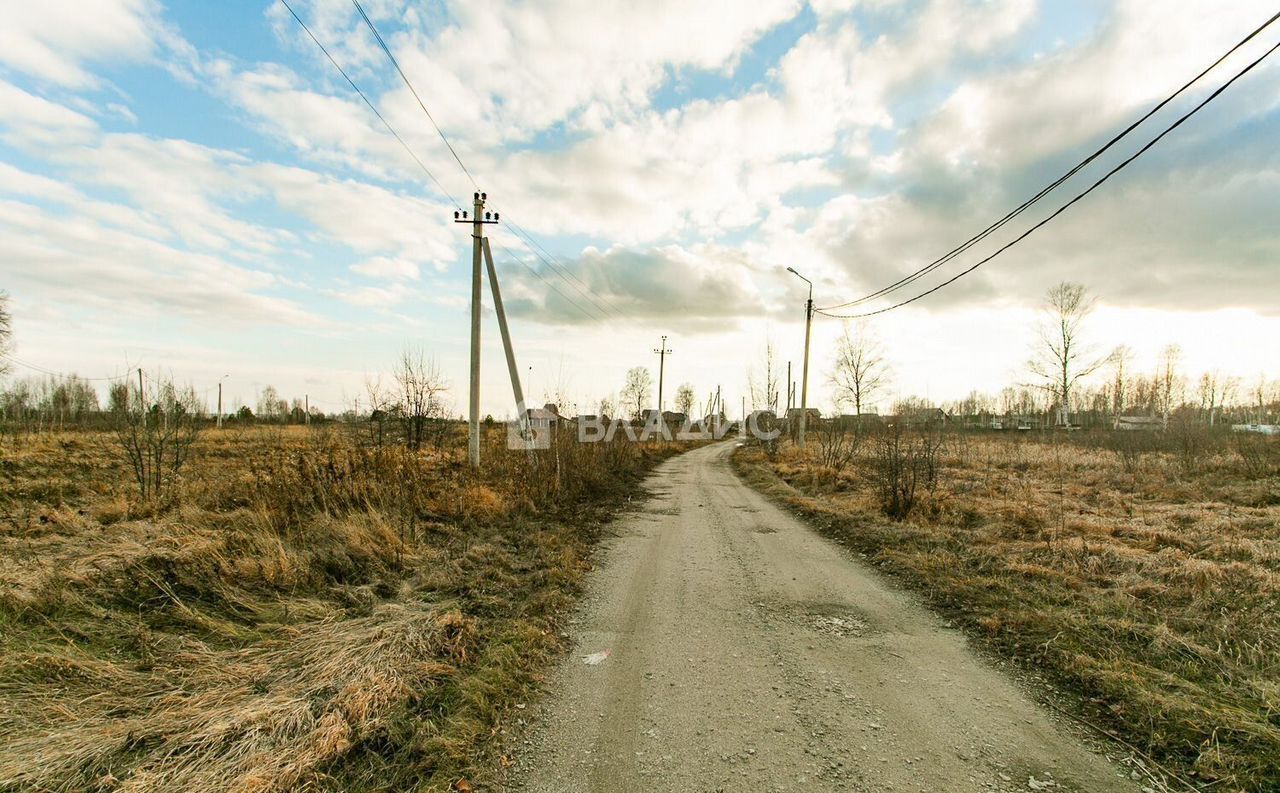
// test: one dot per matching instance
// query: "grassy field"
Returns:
(1145, 582)
(298, 612)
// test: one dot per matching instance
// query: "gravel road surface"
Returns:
(746, 653)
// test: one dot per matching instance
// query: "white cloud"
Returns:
(71, 259)
(387, 268)
(699, 288)
(35, 122)
(54, 39)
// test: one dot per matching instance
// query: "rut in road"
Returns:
(746, 653)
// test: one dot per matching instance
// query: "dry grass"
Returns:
(302, 613)
(1147, 586)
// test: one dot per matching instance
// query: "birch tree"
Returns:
(1061, 356)
(861, 371)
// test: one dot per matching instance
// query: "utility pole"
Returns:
(306, 409)
(662, 353)
(804, 372)
(790, 391)
(477, 222)
(224, 377)
(506, 346)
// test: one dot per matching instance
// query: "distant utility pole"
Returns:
(224, 377)
(306, 409)
(804, 374)
(478, 223)
(662, 352)
(790, 391)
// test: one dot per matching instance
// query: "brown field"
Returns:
(299, 612)
(1144, 582)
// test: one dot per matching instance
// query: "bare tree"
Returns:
(270, 405)
(860, 370)
(1061, 356)
(422, 397)
(382, 407)
(764, 392)
(1258, 394)
(155, 430)
(635, 393)
(6, 332)
(685, 399)
(1168, 382)
(1120, 359)
(1216, 390)
(607, 406)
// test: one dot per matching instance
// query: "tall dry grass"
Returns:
(301, 611)
(1145, 578)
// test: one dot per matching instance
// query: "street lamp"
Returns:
(804, 377)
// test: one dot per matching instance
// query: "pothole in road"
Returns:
(838, 626)
(831, 619)
(663, 511)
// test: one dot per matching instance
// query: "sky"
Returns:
(193, 188)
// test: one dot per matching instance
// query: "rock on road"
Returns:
(746, 653)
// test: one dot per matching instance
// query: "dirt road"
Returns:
(746, 653)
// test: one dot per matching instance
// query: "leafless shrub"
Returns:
(1259, 455)
(154, 430)
(838, 443)
(1192, 443)
(423, 406)
(1131, 447)
(905, 461)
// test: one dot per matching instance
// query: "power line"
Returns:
(369, 23)
(559, 268)
(62, 375)
(1070, 203)
(550, 285)
(415, 157)
(384, 121)
(525, 237)
(935, 264)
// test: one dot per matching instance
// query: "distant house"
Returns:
(1139, 423)
(923, 417)
(811, 414)
(1260, 429)
(1019, 423)
(673, 417)
(544, 417)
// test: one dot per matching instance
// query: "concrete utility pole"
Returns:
(224, 377)
(516, 390)
(662, 353)
(477, 222)
(804, 373)
(306, 409)
(791, 392)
